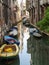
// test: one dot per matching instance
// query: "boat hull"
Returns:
(11, 40)
(37, 35)
(8, 58)
(9, 55)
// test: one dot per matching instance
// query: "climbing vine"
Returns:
(44, 23)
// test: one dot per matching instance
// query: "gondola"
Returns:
(11, 40)
(9, 51)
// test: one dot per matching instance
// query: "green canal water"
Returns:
(35, 51)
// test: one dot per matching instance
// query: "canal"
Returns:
(33, 51)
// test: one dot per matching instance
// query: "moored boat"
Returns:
(13, 33)
(9, 51)
(38, 35)
(33, 30)
(11, 40)
(14, 28)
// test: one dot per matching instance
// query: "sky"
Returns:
(19, 1)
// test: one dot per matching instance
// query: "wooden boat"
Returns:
(8, 51)
(37, 35)
(10, 40)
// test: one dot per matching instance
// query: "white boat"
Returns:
(37, 34)
(14, 32)
(16, 26)
(32, 30)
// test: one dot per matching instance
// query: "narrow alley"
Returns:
(24, 32)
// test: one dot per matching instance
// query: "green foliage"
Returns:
(44, 23)
(47, 30)
(47, 10)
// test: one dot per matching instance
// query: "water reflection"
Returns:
(39, 49)
(15, 61)
(24, 56)
(33, 51)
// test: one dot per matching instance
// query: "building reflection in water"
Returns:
(39, 49)
(15, 61)
(20, 31)
(24, 56)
